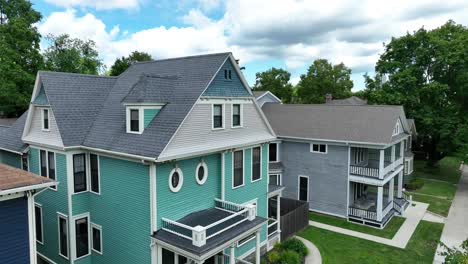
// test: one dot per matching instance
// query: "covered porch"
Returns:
(208, 236)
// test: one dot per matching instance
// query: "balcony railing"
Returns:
(272, 226)
(375, 172)
(199, 234)
(361, 213)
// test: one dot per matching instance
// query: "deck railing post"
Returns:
(199, 236)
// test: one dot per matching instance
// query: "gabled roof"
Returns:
(258, 94)
(353, 100)
(412, 127)
(152, 89)
(345, 123)
(13, 178)
(10, 138)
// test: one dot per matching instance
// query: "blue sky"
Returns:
(288, 34)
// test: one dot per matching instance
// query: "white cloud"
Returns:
(294, 31)
(97, 4)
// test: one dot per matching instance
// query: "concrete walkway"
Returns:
(413, 215)
(456, 224)
(314, 256)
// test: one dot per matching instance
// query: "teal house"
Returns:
(166, 163)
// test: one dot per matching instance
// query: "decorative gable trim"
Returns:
(398, 128)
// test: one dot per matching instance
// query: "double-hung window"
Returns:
(236, 115)
(218, 121)
(273, 152)
(94, 171)
(38, 220)
(318, 148)
(45, 119)
(134, 120)
(256, 164)
(82, 236)
(238, 164)
(79, 172)
(63, 235)
(96, 238)
(47, 164)
(25, 162)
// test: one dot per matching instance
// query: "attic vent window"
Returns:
(227, 75)
(45, 119)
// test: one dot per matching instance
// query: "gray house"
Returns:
(345, 160)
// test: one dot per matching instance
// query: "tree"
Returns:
(122, 64)
(19, 55)
(455, 255)
(427, 73)
(74, 55)
(324, 78)
(276, 81)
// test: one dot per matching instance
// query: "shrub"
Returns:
(289, 257)
(415, 184)
(295, 245)
(273, 257)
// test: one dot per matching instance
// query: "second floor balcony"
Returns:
(376, 163)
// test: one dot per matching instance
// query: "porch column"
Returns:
(278, 212)
(392, 159)
(257, 249)
(402, 150)
(381, 163)
(232, 256)
(400, 184)
(159, 254)
(379, 203)
(391, 189)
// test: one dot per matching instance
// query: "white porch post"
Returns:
(379, 203)
(402, 150)
(391, 189)
(278, 211)
(381, 163)
(257, 247)
(392, 159)
(400, 184)
(160, 260)
(232, 256)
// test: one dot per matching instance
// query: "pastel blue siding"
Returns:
(192, 196)
(10, 159)
(228, 88)
(14, 234)
(41, 98)
(148, 115)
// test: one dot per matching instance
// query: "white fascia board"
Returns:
(28, 188)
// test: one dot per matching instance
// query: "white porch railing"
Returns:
(387, 209)
(361, 213)
(199, 234)
(225, 259)
(272, 226)
(364, 171)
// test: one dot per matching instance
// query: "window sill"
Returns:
(84, 256)
(257, 180)
(63, 256)
(80, 192)
(237, 187)
(217, 129)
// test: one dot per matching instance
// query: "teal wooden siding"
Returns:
(192, 196)
(41, 98)
(250, 191)
(52, 202)
(148, 115)
(123, 211)
(229, 88)
(10, 159)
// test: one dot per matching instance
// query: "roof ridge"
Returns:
(79, 74)
(183, 57)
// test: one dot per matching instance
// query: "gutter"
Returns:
(138, 157)
(27, 188)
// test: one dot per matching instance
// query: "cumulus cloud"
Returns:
(294, 31)
(97, 4)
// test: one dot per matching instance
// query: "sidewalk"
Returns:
(413, 215)
(456, 227)
(314, 256)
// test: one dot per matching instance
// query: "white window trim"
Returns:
(205, 176)
(241, 115)
(87, 174)
(280, 177)
(312, 148)
(277, 158)
(55, 187)
(181, 180)
(252, 237)
(42, 119)
(76, 217)
(261, 169)
(63, 216)
(243, 169)
(98, 227)
(140, 120)
(227, 74)
(299, 185)
(88, 168)
(42, 223)
(223, 113)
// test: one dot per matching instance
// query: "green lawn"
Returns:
(438, 188)
(388, 232)
(447, 169)
(337, 248)
(436, 205)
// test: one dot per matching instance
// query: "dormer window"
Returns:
(134, 120)
(45, 119)
(227, 75)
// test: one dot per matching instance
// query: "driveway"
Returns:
(456, 227)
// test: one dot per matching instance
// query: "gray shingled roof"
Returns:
(366, 123)
(10, 138)
(257, 94)
(109, 128)
(353, 100)
(151, 89)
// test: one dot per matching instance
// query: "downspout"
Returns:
(32, 224)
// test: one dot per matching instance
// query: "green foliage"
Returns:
(427, 73)
(294, 244)
(273, 256)
(455, 255)
(289, 257)
(276, 81)
(73, 55)
(122, 64)
(324, 78)
(19, 55)
(415, 184)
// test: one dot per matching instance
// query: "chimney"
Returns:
(328, 98)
